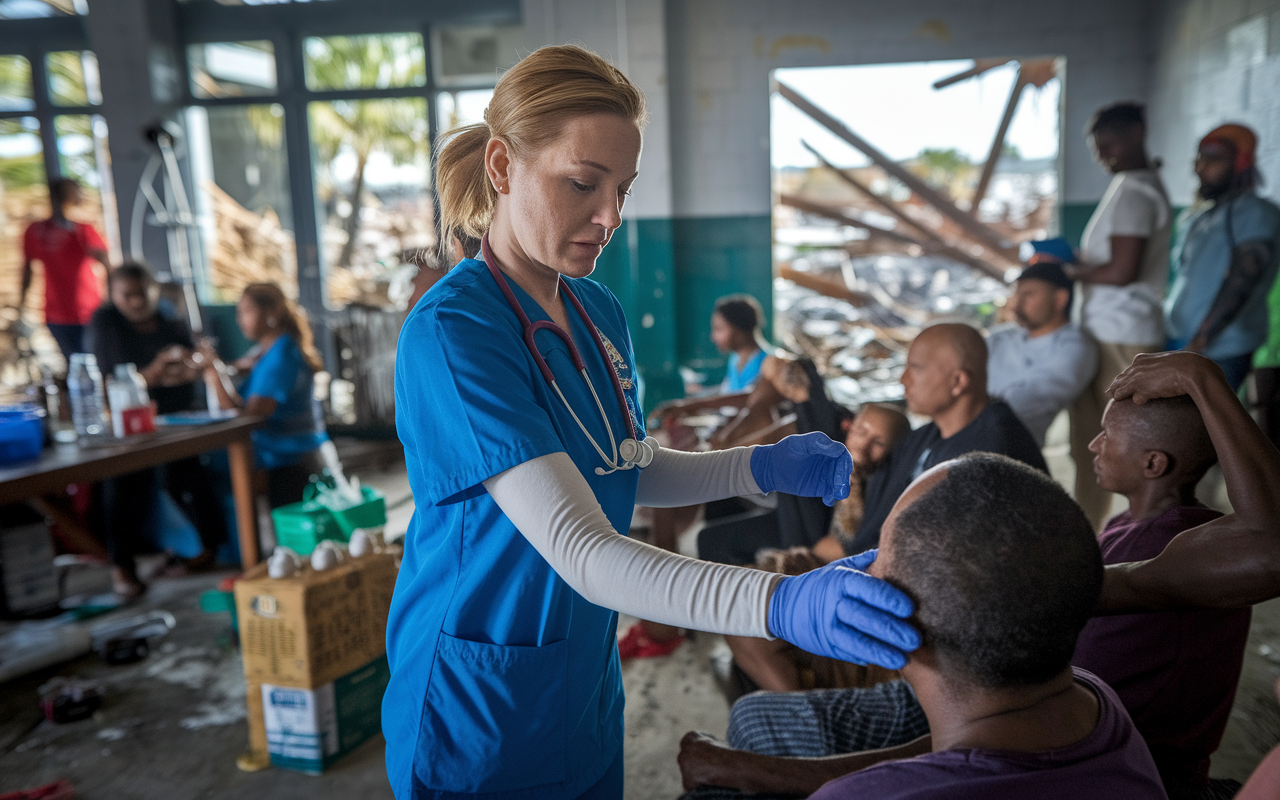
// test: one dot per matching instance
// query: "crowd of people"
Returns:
(132, 325)
(1037, 676)
(928, 613)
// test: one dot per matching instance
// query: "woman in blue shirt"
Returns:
(735, 329)
(516, 402)
(280, 386)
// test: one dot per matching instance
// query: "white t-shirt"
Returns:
(1135, 205)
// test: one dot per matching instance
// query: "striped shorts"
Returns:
(823, 722)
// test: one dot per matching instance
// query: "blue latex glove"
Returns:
(804, 464)
(841, 612)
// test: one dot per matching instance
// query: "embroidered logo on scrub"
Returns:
(619, 363)
(622, 368)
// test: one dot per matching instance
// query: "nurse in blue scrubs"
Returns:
(516, 403)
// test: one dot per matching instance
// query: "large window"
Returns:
(363, 167)
(241, 173)
(48, 129)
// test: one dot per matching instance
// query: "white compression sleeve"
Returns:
(554, 507)
(675, 478)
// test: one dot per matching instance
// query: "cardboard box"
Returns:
(27, 579)
(308, 729)
(309, 630)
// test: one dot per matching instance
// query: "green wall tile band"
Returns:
(1072, 217)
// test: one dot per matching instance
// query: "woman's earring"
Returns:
(271, 322)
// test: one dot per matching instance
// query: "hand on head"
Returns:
(1153, 375)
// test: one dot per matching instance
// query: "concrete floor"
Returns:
(173, 724)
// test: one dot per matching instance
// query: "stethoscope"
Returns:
(630, 452)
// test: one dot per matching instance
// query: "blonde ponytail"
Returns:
(466, 196)
(530, 106)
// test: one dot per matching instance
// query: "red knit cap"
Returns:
(1243, 140)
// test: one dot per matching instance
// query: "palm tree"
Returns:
(396, 126)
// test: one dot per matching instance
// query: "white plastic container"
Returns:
(126, 390)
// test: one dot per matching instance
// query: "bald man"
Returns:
(945, 380)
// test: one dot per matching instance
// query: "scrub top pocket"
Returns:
(494, 719)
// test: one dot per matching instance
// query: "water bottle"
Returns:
(85, 384)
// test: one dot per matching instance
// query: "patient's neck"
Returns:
(1030, 719)
(1155, 497)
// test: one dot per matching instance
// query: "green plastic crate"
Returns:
(302, 526)
(371, 513)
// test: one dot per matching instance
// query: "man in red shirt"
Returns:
(67, 250)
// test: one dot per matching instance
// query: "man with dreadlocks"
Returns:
(1226, 248)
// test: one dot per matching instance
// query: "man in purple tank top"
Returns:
(1175, 671)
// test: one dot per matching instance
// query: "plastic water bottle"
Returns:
(85, 384)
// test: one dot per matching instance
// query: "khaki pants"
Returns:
(1086, 423)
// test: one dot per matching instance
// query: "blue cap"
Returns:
(1056, 249)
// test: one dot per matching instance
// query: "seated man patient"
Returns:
(1175, 671)
(1040, 365)
(1005, 571)
(946, 380)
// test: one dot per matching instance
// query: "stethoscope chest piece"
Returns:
(629, 450)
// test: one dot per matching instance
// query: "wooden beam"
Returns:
(838, 215)
(980, 65)
(997, 145)
(824, 286)
(972, 227)
(939, 244)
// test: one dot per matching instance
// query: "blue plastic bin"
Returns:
(21, 433)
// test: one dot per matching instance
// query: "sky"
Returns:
(896, 108)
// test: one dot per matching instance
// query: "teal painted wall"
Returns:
(637, 266)
(716, 256)
(1072, 218)
(668, 273)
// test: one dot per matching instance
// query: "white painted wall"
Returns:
(1217, 61)
(722, 51)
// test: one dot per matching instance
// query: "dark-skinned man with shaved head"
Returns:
(946, 380)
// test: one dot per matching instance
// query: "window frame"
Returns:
(33, 39)
(287, 26)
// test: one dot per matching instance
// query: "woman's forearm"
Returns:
(676, 478)
(228, 397)
(552, 505)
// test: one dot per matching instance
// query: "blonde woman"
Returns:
(516, 404)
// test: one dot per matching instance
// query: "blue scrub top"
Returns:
(739, 378)
(297, 425)
(505, 682)
(1201, 258)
